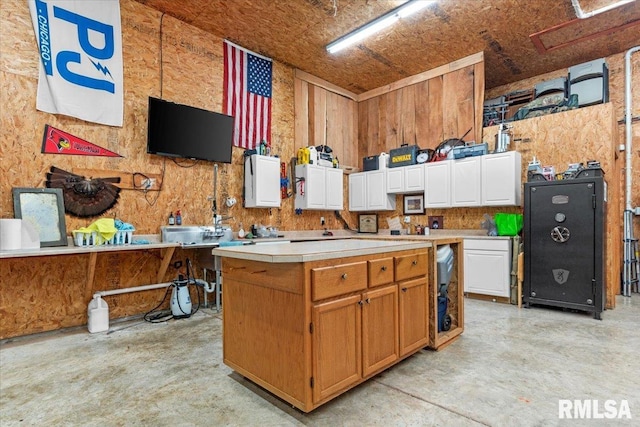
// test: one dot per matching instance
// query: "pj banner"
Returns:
(80, 47)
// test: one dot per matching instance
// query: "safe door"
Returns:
(562, 245)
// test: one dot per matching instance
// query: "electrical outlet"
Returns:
(147, 183)
(407, 220)
(321, 220)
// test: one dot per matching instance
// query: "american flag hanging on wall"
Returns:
(247, 95)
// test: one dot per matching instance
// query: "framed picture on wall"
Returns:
(414, 204)
(43, 208)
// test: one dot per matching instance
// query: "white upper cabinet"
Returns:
(502, 179)
(368, 192)
(405, 179)
(318, 188)
(466, 179)
(437, 184)
(261, 181)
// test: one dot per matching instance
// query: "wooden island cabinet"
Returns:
(308, 321)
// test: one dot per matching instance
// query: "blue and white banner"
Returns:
(80, 46)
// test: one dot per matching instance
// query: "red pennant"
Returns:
(56, 141)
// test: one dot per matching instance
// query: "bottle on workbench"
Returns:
(178, 217)
(172, 220)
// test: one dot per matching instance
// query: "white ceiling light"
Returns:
(378, 24)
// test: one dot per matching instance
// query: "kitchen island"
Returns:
(310, 320)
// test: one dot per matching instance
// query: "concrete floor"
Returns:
(509, 368)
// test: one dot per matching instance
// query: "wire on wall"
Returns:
(161, 65)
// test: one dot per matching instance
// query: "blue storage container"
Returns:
(470, 150)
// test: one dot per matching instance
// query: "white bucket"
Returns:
(98, 312)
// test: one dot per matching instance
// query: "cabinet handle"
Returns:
(368, 301)
(344, 276)
(415, 262)
(404, 289)
(360, 303)
(384, 268)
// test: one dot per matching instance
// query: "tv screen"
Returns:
(177, 130)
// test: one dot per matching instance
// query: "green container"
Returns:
(508, 224)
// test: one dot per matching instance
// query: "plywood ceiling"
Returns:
(296, 32)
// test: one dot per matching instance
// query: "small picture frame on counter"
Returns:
(413, 204)
(43, 208)
(368, 223)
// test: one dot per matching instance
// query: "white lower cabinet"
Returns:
(487, 268)
(368, 192)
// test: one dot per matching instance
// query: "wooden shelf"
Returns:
(439, 340)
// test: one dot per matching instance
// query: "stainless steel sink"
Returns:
(195, 235)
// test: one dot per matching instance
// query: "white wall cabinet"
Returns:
(437, 184)
(405, 179)
(502, 179)
(261, 182)
(487, 266)
(318, 188)
(466, 181)
(368, 192)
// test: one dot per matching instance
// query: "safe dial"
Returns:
(560, 234)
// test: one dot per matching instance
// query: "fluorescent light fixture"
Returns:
(378, 24)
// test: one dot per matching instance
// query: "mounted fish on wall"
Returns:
(84, 197)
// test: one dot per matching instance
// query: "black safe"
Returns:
(564, 242)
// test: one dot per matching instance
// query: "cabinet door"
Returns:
(335, 189)
(414, 178)
(395, 180)
(413, 315)
(487, 272)
(501, 179)
(466, 181)
(337, 343)
(377, 198)
(357, 192)
(267, 181)
(315, 186)
(437, 185)
(379, 329)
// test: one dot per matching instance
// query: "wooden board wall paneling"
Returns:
(301, 90)
(408, 114)
(478, 100)
(319, 116)
(436, 110)
(422, 131)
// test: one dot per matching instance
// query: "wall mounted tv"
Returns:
(177, 130)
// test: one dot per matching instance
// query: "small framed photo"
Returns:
(368, 223)
(414, 204)
(43, 208)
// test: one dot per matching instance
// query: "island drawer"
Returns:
(409, 266)
(327, 282)
(380, 271)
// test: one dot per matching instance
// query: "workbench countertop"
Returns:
(317, 250)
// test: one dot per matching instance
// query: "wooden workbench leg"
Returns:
(166, 259)
(91, 272)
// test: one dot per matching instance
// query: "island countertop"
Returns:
(317, 250)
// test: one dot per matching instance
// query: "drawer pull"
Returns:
(415, 262)
(344, 276)
(404, 289)
(368, 301)
(360, 303)
(383, 268)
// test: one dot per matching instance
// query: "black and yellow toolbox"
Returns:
(403, 156)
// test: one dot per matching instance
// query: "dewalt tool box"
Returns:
(403, 156)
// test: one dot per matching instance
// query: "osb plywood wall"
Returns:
(39, 294)
(577, 136)
(616, 65)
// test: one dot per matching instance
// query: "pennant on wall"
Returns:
(247, 95)
(56, 141)
(80, 47)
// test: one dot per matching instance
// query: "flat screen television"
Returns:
(182, 131)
